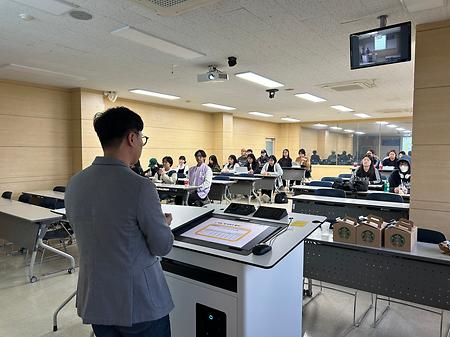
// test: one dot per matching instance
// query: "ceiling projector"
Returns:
(212, 75)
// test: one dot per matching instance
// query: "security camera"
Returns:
(271, 92)
(232, 61)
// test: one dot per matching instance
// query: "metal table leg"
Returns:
(63, 304)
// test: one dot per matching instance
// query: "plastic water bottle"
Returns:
(386, 186)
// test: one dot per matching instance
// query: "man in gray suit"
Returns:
(121, 231)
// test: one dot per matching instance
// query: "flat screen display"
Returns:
(391, 44)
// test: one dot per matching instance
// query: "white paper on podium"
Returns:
(227, 232)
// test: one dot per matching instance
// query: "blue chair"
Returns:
(6, 195)
(26, 198)
(321, 183)
(383, 196)
(345, 175)
(228, 174)
(221, 177)
(430, 236)
(332, 179)
(335, 193)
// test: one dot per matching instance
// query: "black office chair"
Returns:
(59, 189)
(382, 196)
(26, 198)
(7, 195)
(330, 193)
(332, 179)
(345, 176)
(321, 183)
(221, 177)
(430, 236)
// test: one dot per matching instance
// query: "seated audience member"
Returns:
(249, 151)
(304, 162)
(201, 176)
(400, 179)
(153, 168)
(232, 164)
(315, 158)
(375, 159)
(166, 173)
(213, 164)
(242, 160)
(367, 171)
(182, 168)
(137, 168)
(269, 168)
(331, 160)
(252, 164)
(401, 154)
(390, 160)
(285, 160)
(343, 158)
(264, 158)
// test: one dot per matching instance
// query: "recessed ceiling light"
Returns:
(153, 94)
(407, 131)
(391, 126)
(349, 131)
(258, 79)
(288, 119)
(400, 129)
(360, 133)
(260, 114)
(310, 97)
(362, 115)
(341, 108)
(335, 128)
(218, 106)
(50, 6)
(382, 123)
(154, 42)
(319, 125)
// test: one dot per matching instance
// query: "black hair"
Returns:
(182, 158)
(273, 158)
(392, 151)
(232, 156)
(200, 153)
(214, 159)
(371, 167)
(402, 152)
(302, 151)
(250, 150)
(114, 124)
(168, 159)
(264, 150)
(282, 155)
(251, 155)
(314, 152)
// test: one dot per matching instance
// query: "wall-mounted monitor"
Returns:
(386, 45)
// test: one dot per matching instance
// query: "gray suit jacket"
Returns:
(120, 230)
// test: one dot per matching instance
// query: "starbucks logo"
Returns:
(397, 240)
(368, 236)
(344, 233)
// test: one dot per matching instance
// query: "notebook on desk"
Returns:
(241, 170)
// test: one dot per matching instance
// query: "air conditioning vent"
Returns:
(349, 85)
(174, 7)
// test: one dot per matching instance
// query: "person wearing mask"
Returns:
(367, 171)
(252, 164)
(213, 164)
(121, 233)
(242, 160)
(264, 158)
(315, 158)
(400, 179)
(272, 168)
(232, 164)
(390, 160)
(304, 162)
(201, 176)
(285, 160)
(166, 173)
(182, 169)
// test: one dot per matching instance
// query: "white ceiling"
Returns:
(301, 43)
(368, 127)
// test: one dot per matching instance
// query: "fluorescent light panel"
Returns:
(50, 6)
(382, 123)
(40, 71)
(258, 79)
(310, 97)
(361, 115)
(260, 114)
(288, 119)
(400, 129)
(153, 94)
(391, 126)
(349, 131)
(341, 108)
(319, 125)
(335, 128)
(154, 42)
(360, 133)
(218, 106)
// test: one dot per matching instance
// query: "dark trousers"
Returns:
(268, 192)
(157, 328)
(195, 200)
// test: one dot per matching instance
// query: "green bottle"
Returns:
(386, 186)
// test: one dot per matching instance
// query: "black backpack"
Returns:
(360, 185)
(281, 198)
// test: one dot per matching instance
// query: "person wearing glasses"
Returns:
(121, 288)
(200, 175)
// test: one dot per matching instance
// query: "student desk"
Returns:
(25, 225)
(176, 189)
(339, 207)
(267, 182)
(421, 276)
(244, 185)
(294, 173)
(307, 189)
(47, 194)
(219, 189)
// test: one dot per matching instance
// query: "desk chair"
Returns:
(427, 236)
(221, 177)
(321, 183)
(345, 175)
(332, 179)
(59, 189)
(26, 198)
(383, 177)
(7, 195)
(383, 196)
(335, 193)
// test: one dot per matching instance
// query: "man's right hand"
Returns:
(168, 218)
